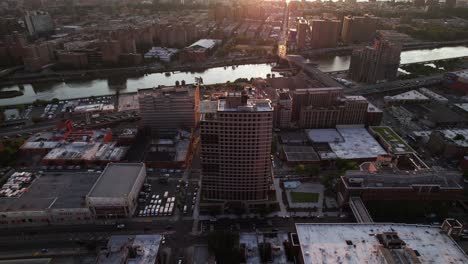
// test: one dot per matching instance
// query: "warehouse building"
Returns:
(115, 193)
(375, 243)
(50, 199)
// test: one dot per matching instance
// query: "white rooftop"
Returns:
(463, 106)
(357, 144)
(407, 96)
(329, 243)
(205, 43)
(450, 134)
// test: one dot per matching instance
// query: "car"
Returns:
(120, 226)
(44, 250)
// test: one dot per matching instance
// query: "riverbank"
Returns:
(347, 50)
(130, 72)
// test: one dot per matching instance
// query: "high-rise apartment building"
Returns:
(419, 3)
(236, 134)
(358, 29)
(376, 63)
(450, 3)
(324, 33)
(302, 26)
(327, 108)
(38, 23)
(168, 109)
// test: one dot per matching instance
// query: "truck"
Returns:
(185, 209)
(166, 194)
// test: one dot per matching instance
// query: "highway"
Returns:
(395, 86)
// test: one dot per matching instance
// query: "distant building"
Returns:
(324, 33)
(200, 50)
(419, 3)
(302, 31)
(283, 109)
(38, 23)
(166, 110)
(160, 53)
(236, 134)
(450, 3)
(358, 29)
(449, 143)
(457, 81)
(327, 107)
(377, 63)
(75, 60)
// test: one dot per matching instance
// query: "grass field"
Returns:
(302, 197)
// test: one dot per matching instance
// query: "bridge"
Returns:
(359, 210)
(396, 86)
(312, 71)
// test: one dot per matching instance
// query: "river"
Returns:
(74, 89)
(341, 63)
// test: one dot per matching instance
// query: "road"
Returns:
(396, 86)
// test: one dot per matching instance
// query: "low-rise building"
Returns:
(200, 50)
(400, 185)
(135, 249)
(50, 200)
(115, 193)
(376, 243)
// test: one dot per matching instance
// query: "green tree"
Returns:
(299, 169)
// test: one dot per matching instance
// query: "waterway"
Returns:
(341, 63)
(74, 89)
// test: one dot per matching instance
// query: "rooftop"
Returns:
(252, 105)
(300, 153)
(58, 191)
(146, 247)
(358, 243)
(397, 179)
(171, 91)
(121, 176)
(205, 43)
(396, 143)
(452, 134)
(87, 151)
(463, 106)
(324, 135)
(407, 96)
(357, 144)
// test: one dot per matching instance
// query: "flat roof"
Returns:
(397, 144)
(52, 190)
(324, 135)
(357, 144)
(252, 105)
(398, 178)
(300, 153)
(117, 246)
(463, 106)
(116, 180)
(407, 96)
(451, 134)
(357, 243)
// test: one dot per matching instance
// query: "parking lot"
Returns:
(166, 194)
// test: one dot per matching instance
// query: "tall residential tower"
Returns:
(236, 134)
